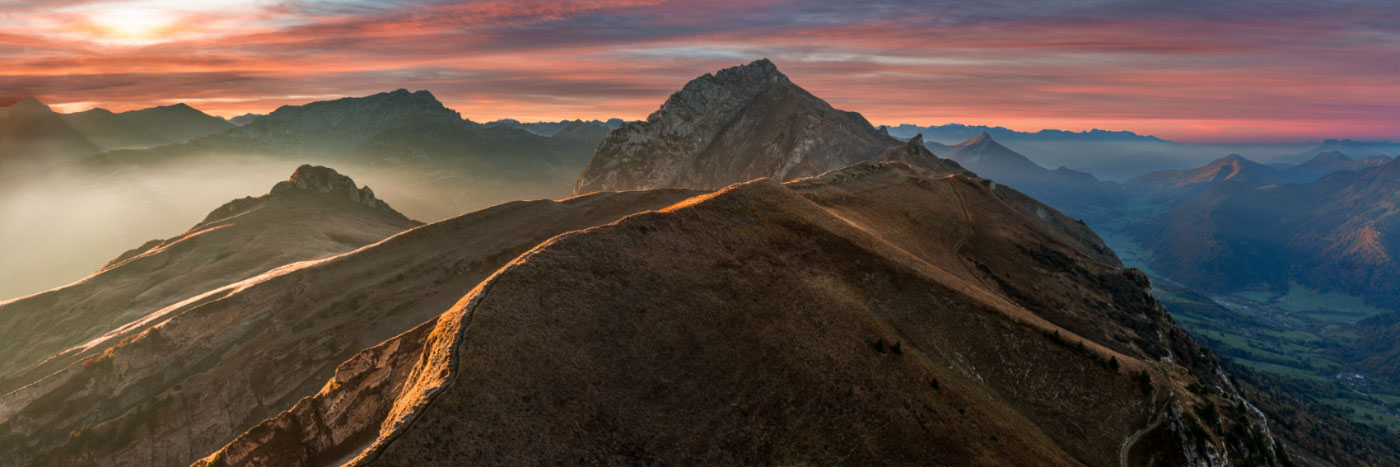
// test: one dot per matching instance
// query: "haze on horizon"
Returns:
(1188, 71)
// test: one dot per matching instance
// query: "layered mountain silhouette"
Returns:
(314, 214)
(1335, 234)
(33, 136)
(1362, 149)
(1078, 193)
(1180, 185)
(550, 128)
(411, 135)
(1325, 163)
(958, 132)
(738, 124)
(870, 314)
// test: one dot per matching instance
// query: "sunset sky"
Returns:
(1186, 70)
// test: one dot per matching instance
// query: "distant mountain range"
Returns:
(1076, 193)
(1361, 149)
(955, 132)
(1336, 234)
(33, 136)
(1180, 185)
(550, 128)
(469, 165)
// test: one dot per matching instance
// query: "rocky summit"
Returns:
(738, 124)
(326, 180)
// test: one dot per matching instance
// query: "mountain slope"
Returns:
(868, 315)
(108, 130)
(1325, 163)
(1340, 234)
(738, 124)
(176, 123)
(32, 137)
(316, 213)
(438, 164)
(1362, 149)
(1179, 185)
(1077, 193)
(210, 368)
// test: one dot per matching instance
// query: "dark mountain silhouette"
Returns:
(958, 132)
(1325, 163)
(1077, 193)
(33, 136)
(738, 124)
(407, 134)
(176, 123)
(1362, 149)
(245, 119)
(550, 128)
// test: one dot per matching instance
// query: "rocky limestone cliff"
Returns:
(326, 180)
(739, 124)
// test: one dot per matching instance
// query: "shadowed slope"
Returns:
(1340, 233)
(1071, 191)
(869, 315)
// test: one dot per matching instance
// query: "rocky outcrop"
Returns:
(920, 158)
(739, 124)
(325, 180)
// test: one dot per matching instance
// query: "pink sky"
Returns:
(1187, 70)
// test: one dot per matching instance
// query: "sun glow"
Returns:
(134, 25)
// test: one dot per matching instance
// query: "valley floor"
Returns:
(1296, 336)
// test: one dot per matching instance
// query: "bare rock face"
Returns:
(736, 125)
(327, 180)
(920, 158)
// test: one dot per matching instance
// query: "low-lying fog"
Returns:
(65, 223)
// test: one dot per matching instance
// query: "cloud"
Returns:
(1192, 69)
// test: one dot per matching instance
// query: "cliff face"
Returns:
(870, 315)
(736, 125)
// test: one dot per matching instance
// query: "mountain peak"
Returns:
(744, 80)
(320, 179)
(30, 104)
(734, 125)
(1234, 159)
(981, 140)
(1329, 156)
